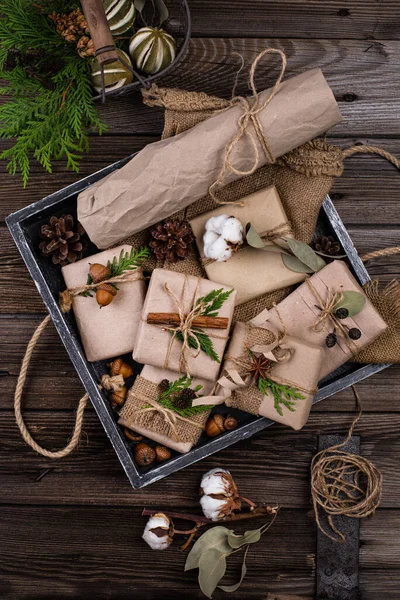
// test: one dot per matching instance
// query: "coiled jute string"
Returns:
(344, 484)
(108, 383)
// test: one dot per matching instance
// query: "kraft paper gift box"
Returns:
(182, 435)
(300, 312)
(294, 363)
(111, 330)
(155, 344)
(251, 271)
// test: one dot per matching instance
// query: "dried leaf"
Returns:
(139, 5)
(353, 301)
(252, 237)
(215, 538)
(162, 10)
(249, 537)
(236, 586)
(306, 255)
(212, 567)
(294, 264)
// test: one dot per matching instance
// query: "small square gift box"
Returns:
(269, 373)
(158, 406)
(107, 330)
(251, 271)
(185, 324)
(331, 310)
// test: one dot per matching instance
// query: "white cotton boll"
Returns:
(216, 223)
(232, 231)
(161, 539)
(213, 483)
(212, 507)
(219, 250)
(209, 238)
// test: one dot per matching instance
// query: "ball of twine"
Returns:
(344, 484)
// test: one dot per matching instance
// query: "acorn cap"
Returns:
(162, 453)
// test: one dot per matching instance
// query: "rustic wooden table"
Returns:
(75, 533)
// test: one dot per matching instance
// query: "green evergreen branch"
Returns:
(205, 342)
(283, 394)
(128, 261)
(213, 302)
(167, 398)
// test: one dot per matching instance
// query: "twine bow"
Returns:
(66, 297)
(170, 416)
(251, 108)
(327, 308)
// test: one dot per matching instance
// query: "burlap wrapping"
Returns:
(154, 421)
(302, 177)
(249, 399)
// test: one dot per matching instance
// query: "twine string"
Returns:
(66, 297)
(344, 484)
(251, 108)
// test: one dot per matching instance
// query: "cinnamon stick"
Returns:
(174, 319)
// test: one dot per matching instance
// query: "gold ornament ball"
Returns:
(152, 49)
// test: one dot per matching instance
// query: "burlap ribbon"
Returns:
(66, 297)
(185, 329)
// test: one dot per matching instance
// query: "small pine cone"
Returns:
(354, 333)
(171, 240)
(342, 313)
(62, 240)
(163, 385)
(331, 340)
(328, 245)
(184, 398)
(180, 402)
(85, 47)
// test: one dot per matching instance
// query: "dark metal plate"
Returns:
(25, 225)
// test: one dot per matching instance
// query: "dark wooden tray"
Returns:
(25, 225)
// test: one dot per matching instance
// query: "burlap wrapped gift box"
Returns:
(299, 312)
(152, 423)
(153, 342)
(251, 271)
(300, 371)
(110, 331)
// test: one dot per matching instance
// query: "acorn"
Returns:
(144, 454)
(105, 294)
(230, 423)
(214, 425)
(354, 333)
(131, 436)
(99, 272)
(119, 367)
(162, 453)
(118, 397)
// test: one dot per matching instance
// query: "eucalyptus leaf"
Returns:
(306, 254)
(353, 301)
(215, 538)
(294, 264)
(252, 237)
(212, 567)
(162, 10)
(249, 537)
(236, 586)
(139, 5)
(275, 248)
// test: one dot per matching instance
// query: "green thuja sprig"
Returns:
(212, 303)
(166, 398)
(283, 394)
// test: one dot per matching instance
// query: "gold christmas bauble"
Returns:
(152, 49)
(120, 15)
(116, 74)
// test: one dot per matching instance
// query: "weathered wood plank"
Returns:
(90, 551)
(294, 18)
(277, 458)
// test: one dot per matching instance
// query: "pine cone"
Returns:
(163, 386)
(85, 47)
(172, 240)
(73, 27)
(327, 244)
(62, 240)
(184, 398)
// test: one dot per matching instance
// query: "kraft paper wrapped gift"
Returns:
(111, 330)
(180, 435)
(251, 271)
(155, 344)
(300, 313)
(299, 369)
(168, 175)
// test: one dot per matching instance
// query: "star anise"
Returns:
(259, 366)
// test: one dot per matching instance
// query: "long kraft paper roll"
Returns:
(169, 175)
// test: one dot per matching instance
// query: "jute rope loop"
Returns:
(108, 383)
(344, 484)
